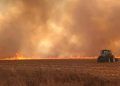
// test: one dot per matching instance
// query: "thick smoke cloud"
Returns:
(48, 28)
(98, 22)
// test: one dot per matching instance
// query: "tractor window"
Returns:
(106, 52)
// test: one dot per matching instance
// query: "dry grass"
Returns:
(59, 73)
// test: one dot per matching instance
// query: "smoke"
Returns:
(98, 22)
(44, 28)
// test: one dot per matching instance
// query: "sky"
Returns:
(54, 28)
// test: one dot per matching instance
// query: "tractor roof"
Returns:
(106, 50)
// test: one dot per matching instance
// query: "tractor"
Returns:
(106, 56)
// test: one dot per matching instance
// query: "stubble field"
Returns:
(59, 73)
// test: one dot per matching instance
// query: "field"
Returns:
(59, 73)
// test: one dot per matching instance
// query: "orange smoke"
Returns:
(58, 28)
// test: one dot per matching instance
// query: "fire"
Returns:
(19, 57)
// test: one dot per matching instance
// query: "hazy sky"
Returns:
(46, 28)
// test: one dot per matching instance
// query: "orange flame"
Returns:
(19, 57)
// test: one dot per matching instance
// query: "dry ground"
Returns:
(59, 73)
